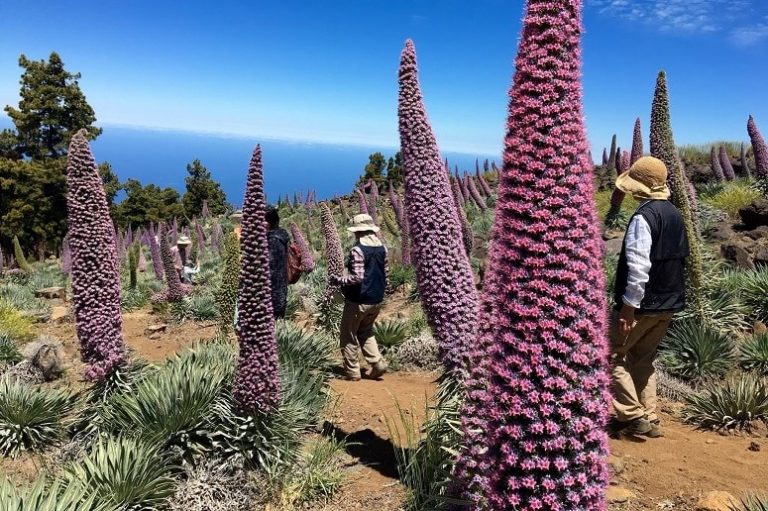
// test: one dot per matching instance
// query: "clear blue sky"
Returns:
(326, 71)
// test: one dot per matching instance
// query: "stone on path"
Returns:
(717, 501)
(52, 293)
(617, 495)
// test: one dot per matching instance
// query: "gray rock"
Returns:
(45, 355)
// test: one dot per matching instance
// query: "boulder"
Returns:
(721, 232)
(52, 293)
(155, 330)
(717, 501)
(45, 354)
(755, 214)
(736, 251)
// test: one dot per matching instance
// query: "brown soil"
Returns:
(672, 471)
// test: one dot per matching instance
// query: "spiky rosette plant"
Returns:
(725, 163)
(154, 252)
(759, 148)
(307, 259)
(637, 143)
(174, 291)
(475, 193)
(362, 202)
(714, 163)
(443, 272)
(257, 384)
(536, 404)
(334, 255)
(95, 269)
(744, 165)
(663, 147)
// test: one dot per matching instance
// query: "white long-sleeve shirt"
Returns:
(637, 246)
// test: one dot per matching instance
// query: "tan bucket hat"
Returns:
(646, 179)
(362, 223)
(237, 216)
(184, 240)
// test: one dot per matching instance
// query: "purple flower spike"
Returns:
(334, 255)
(95, 270)
(759, 148)
(363, 202)
(537, 399)
(467, 236)
(142, 260)
(725, 163)
(66, 256)
(714, 161)
(637, 143)
(475, 194)
(154, 252)
(257, 384)
(443, 272)
(217, 235)
(175, 291)
(402, 223)
(485, 186)
(744, 165)
(307, 260)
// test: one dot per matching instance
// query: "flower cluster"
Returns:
(714, 162)
(217, 234)
(154, 252)
(363, 202)
(536, 410)
(174, 291)
(683, 194)
(402, 223)
(443, 272)
(484, 186)
(637, 143)
(334, 255)
(257, 384)
(725, 163)
(467, 236)
(307, 260)
(95, 270)
(226, 295)
(759, 148)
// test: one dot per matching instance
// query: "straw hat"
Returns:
(646, 179)
(184, 240)
(237, 216)
(362, 223)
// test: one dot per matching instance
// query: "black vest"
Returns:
(371, 290)
(665, 290)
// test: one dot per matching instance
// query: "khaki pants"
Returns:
(357, 330)
(634, 377)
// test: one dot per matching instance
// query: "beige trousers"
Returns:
(357, 330)
(634, 377)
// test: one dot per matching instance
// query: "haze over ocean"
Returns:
(160, 157)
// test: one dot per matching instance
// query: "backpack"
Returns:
(294, 263)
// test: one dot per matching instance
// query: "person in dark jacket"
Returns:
(650, 288)
(363, 288)
(278, 240)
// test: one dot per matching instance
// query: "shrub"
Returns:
(218, 486)
(124, 472)
(733, 196)
(753, 353)
(318, 474)
(693, 350)
(14, 325)
(390, 334)
(752, 287)
(133, 299)
(197, 307)
(734, 404)
(400, 275)
(31, 418)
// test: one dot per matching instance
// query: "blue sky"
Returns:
(326, 71)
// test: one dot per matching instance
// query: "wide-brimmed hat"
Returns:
(362, 223)
(237, 216)
(646, 179)
(184, 240)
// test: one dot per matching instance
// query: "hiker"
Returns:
(237, 222)
(189, 270)
(650, 288)
(279, 241)
(363, 288)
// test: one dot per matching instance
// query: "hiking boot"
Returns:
(656, 431)
(638, 427)
(378, 370)
(351, 377)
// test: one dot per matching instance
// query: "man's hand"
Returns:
(626, 320)
(334, 280)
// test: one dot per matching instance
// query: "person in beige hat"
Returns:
(650, 288)
(237, 222)
(363, 288)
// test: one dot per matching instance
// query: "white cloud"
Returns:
(736, 18)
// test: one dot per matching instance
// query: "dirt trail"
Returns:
(667, 473)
